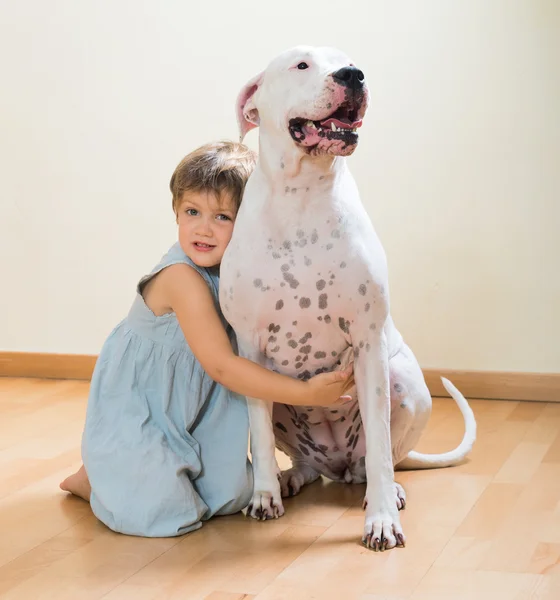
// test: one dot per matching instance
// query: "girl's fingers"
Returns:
(349, 369)
(347, 372)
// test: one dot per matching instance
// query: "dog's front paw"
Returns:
(399, 494)
(266, 502)
(383, 531)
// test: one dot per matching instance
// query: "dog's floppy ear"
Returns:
(247, 113)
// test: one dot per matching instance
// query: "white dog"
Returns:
(304, 285)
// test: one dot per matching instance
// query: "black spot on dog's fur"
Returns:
(291, 280)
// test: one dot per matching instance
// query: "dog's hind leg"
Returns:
(295, 478)
(411, 403)
(410, 410)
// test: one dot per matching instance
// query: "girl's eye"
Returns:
(223, 218)
(302, 66)
(191, 212)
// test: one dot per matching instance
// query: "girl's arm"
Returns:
(189, 298)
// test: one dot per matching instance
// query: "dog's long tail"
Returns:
(416, 460)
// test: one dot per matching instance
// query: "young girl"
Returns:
(165, 439)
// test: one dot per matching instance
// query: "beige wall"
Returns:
(459, 163)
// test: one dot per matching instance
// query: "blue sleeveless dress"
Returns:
(164, 446)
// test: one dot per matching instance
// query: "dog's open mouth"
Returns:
(338, 130)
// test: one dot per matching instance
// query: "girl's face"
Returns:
(205, 226)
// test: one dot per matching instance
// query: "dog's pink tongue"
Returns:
(341, 124)
(312, 137)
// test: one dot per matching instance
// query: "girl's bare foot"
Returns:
(78, 484)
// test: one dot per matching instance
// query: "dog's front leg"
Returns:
(382, 528)
(266, 502)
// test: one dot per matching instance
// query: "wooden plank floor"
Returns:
(489, 529)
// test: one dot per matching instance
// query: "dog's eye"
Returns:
(303, 65)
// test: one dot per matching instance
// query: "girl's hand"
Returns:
(330, 388)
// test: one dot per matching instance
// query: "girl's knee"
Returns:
(243, 495)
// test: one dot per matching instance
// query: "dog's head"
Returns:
(317, 96)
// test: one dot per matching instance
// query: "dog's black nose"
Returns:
(351, 77)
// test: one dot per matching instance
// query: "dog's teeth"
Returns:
(333, 126)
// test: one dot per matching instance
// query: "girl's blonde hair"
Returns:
(217, 167)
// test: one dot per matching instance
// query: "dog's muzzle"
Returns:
(350, 77)
(336, 131)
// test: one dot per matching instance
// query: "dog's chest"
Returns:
(287, 274)
(295, 293)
